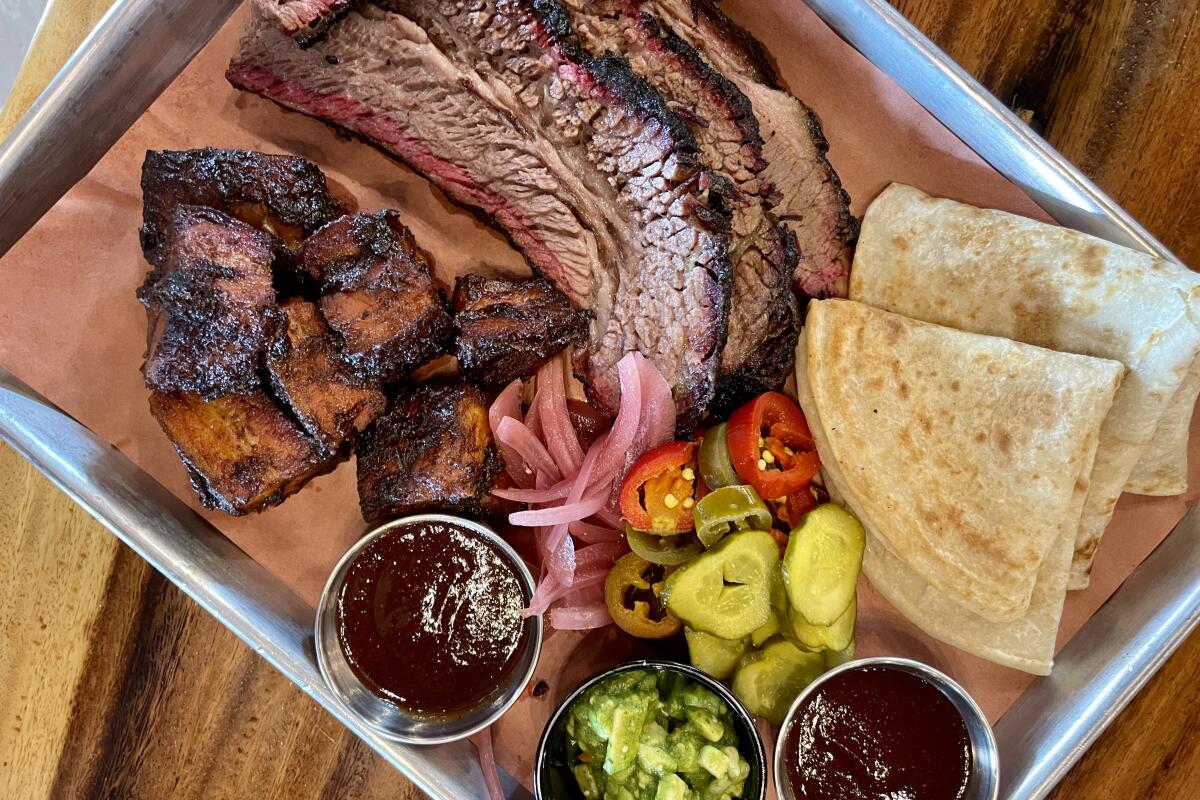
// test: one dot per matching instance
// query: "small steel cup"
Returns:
(984, 781)
(388, 719)
(552, 779)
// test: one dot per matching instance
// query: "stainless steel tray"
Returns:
(141, 45)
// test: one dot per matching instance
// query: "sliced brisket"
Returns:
(581, 162)
(304, 20)
(763, 319)
(210, 304)
(809, 196)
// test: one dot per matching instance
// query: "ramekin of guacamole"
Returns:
(650, 731)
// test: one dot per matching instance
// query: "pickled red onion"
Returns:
(589, 533)
(570, 486)
(487, 764)
(508, 406)
(512, 432)
(580, 618)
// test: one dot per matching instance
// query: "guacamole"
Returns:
(654, 735)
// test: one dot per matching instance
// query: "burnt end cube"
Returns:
(284, 195)
(211, 306)
(433, 451)
(377, 294)
(331, 402)
(242, 453)
(507, 329)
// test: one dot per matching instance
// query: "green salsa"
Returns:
(654, 735)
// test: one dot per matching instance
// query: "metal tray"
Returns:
(141, 45)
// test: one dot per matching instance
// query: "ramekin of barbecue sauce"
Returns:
(886, 728)
(420, 629)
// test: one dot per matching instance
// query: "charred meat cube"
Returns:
(283, 195)
(242, 452)
(211, 307)
(507, 329)
(377, 293)
(432, 451)
(329, 400)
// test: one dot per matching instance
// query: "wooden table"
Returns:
(113, 684)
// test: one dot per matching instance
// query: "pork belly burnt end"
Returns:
(377, 294)
(284, 195)
(507, 329)
(763, 316)
(331, 403)
(242, 452)
(211, 307)
(304, 20)
(810, 199)
(578, 160)
(432, 452)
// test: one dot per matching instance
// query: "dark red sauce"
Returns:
(429, 618)
(876, 733)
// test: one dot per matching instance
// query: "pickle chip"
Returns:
(821, 564)
(726, 590)
(768, 680)
(837, 636)
(712, 654)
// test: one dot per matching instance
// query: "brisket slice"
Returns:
(576, 158)
(284, 195)
(306, 21)
(210, 304)
(810, 198)
(763, 318)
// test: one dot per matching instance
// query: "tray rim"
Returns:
(1044, 733)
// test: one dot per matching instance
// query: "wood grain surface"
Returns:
(115, 685)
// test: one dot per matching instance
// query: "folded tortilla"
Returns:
(1163, 468)
(965, 455)
(996, 273)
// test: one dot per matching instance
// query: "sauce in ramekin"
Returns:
(429, 618)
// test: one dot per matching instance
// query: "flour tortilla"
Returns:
(1163, 468)
(966, 455)
(1004, 275)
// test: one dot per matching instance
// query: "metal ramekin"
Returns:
(388, 719)
(553, 782)
(984, 783)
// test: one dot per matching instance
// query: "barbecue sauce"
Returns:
(429, 618)
(878, 732)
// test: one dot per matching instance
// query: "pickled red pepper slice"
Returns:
(659, 491)
(772, 447)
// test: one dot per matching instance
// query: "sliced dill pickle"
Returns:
(835, 658)
(764, 633)
(768, 680)
(726, 591)
(837, 636)
(712, 654)
(821, 564)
